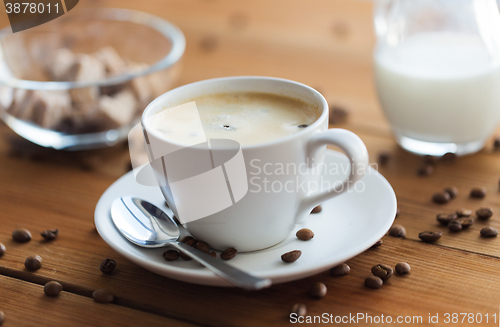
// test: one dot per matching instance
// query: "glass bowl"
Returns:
(82, 81)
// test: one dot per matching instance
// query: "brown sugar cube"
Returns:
(60, 64)
(113, 63)
(118, 110)
(86, 68)
(50, 107)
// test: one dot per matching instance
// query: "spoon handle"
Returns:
(231, 274)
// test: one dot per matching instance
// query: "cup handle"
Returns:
(355, 150)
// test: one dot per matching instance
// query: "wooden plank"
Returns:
(25, 304)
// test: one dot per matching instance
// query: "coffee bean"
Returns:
(455, 225)
(21, 235)
(2, 317)
(171, 255)
(202, 246)
(184, 256)
(403, 268)
(383, 271)
(107, 266)
(340, 270)
(317, 290)
(228, 254)
(208, 43)
(429, 160)
(2, 249)
(466, 222)
(452, 191)
(397, 231)
(449, 157)
(441, 198)
(299, 309)
(291, 256)
(489, 232)
(337, 115)
(384, 158)
(302, 126)
(464, 212)
(478, 193)
(425, 170)
(430, 237)
(213, 254)
(103, 296)
(50, 234)
(374, 282)
(186, 238)
(316, 209)
(52, 288)
(33, 263)
(377, 244)
(484, 213)
(304, 234)
(444, 218)
(192, 242)
(496, 144)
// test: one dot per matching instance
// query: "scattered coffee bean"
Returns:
(340, 270)
(377, 244)
(184, 256)
(317, 290)
(496, 144)
(430, 237)
(441, 198)
(2, 317)
(213, 254)
(208, 43)
(316, 209)
(489, 232)
(397, 231)
(299, 309)
(383, 271)
(186, 238)
(374, 282)
(484, 213)
(202, 246)
(466, 222)
(33, 263)
(449, 157)
(291, 256)
(192, 242)
(403, 268)
(337, 115)
(228, 254)
(50, 234)
(103, 296)
(444, 218)
(107, 266)
(478, 193)
(304, 234)
(455, 225)
(21, 235)
(452, 191)
(464, 212)
(425, 170)
(384, 158)
(2, 249)
(303, 126)
(171, 255)
(52, 288)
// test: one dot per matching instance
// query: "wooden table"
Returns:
(323, 43)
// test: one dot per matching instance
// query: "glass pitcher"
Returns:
(437, 72)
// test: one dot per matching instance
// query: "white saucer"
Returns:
(348, 225)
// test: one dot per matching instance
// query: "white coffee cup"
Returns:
(261, 219)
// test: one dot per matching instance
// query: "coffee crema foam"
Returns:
(246, 117)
